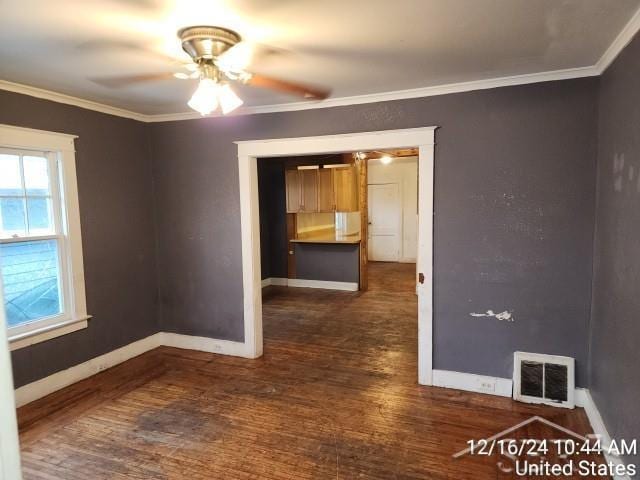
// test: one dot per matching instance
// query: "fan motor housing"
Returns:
(206, 43)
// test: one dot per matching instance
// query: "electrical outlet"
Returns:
(487, 385)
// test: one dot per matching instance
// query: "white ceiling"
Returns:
(356, 47)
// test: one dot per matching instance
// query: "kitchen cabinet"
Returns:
(293, 191)
(322, 190)
(346, 189)
(309, 182)
(326, 193)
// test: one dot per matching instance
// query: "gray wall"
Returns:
(615, 325)
(328, 262)
(116, 212)
(514, 209)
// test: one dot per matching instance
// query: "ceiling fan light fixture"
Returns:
(205, 98)
(229, 101)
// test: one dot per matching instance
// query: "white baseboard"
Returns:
(300, 282)
(205, 344)
(583, 399)
(283, 282)
(45, 386)
(473, 383)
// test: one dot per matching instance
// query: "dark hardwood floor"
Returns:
(334, 397)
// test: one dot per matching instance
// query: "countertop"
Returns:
(326, 236)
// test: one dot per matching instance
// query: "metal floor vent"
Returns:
(547, 379)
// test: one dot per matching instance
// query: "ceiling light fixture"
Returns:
(211, 93)
(228, 99)
(205, 98)
(386, 160)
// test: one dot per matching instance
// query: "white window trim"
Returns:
(75, 298)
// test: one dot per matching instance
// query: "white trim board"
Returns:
(631, 28)
(282, 282)
(43, 387)
(248, 154)
(303, 283)
(9, 444)
(610, 54)
(470, 382)
(583, 399)
(204, 344)
(300, 282)
(422, 92)
(54, 382)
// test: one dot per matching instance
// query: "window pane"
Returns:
(31, 280)
(36, 175)
(12, 219)
(40, 216)
(10, 182)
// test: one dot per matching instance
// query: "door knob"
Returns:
(421, 277)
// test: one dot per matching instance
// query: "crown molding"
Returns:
(622, 40)
(619, 43)
(69, 100)
(397, 95)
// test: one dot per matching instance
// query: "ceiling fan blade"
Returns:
(103, 45)
(239, 57)
(143, 4)
(126, 80)
(298, 89)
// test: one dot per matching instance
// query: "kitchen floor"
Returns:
(334, 397)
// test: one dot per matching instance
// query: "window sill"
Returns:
(38, 335)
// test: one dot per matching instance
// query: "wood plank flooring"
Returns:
(334, 397)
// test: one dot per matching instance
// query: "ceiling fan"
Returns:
(220, 58)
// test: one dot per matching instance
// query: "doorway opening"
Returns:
(249, 153)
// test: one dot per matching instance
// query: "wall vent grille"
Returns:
(547, 379)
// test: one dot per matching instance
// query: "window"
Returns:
(40, 249)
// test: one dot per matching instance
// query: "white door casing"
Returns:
(9, 446)
(385, 213)
(248, 154)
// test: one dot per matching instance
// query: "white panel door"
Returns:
(385, 212)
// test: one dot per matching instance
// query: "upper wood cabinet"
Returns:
(309, 181)
(346, 189)
(293, 188)
(322, 190)
(326, 193)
